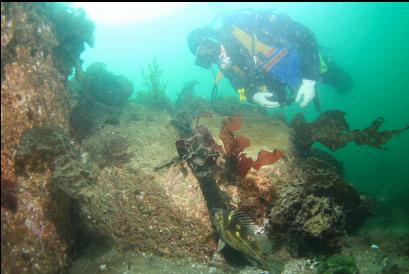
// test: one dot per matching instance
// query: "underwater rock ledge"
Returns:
(40, 46)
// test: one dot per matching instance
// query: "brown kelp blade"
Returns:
(265, 157)
(332, 130)
(242, 143)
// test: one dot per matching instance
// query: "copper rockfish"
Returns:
(239, 232)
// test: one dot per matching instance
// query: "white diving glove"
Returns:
(306, 92)
(261, 99)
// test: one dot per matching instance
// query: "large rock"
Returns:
(138, 208)
(35, 236)
(315, 207)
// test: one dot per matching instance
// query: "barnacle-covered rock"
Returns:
(318, 206)
(319, 217)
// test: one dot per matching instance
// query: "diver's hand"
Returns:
(261, 99)
(306, 92)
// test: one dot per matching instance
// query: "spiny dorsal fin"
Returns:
(246, 224)
(242, 216)
(251, 230)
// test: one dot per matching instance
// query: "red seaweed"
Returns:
(244, 165)
(235, 145)
(265, 157)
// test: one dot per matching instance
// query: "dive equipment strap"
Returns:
(217, 79)
(270, 59)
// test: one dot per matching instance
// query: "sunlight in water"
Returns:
(115, 13)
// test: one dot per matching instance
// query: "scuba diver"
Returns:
(267, 57)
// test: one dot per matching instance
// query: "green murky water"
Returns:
(366, 39)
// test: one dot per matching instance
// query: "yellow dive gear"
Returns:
(242, 94)
(250, 43)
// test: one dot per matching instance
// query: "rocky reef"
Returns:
(131, 205)
(82, 164)
(316, 208)
(36, 230)
(305, 200)
(109, 150)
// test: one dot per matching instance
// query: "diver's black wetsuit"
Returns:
(271, 29)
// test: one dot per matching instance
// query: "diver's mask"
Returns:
(207, 53)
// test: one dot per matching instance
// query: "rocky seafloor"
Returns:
(157, 221)
(93, 182)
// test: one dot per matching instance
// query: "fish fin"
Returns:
(264, 243)
(253, 262)
(248, 228)
(246, 223)
(221, 244)
(274, 265)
